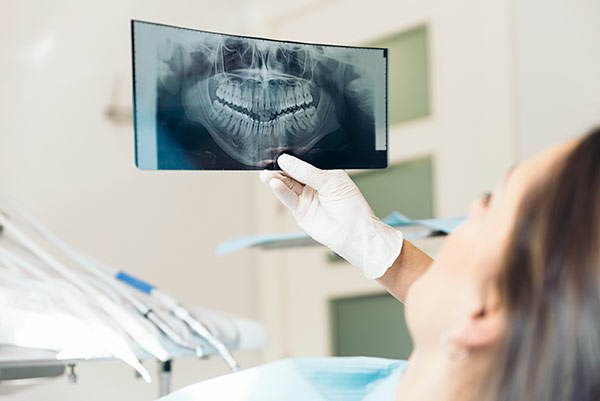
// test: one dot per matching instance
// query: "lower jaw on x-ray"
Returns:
(207, 101)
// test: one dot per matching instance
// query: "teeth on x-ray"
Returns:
(252, 99)
(260, 95)
(249, 108)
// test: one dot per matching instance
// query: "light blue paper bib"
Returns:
(303, 379)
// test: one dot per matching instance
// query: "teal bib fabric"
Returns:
(303, 379)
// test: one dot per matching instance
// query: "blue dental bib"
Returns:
(303, 379)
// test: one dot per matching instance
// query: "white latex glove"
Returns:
(331, 209)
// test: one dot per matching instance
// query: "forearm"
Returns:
(409, 266)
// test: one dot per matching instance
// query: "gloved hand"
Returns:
(331, 209)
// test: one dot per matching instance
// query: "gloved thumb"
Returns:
(288, 197)
(301, 171)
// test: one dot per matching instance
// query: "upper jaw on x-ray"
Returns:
(258, 98)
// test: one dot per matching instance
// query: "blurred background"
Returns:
(474, 87)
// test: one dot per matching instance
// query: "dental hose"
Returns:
(181, 313)
(108, 280)
(149, 314)
(174, 307)
(170, 303)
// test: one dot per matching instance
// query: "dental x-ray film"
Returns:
(210, 101)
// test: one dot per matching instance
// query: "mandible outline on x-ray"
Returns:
(257, 97)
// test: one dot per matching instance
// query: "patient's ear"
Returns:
(484, 325)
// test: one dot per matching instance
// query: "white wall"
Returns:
(557, 68)
(508, 78)
(470, 134)
(74, 169)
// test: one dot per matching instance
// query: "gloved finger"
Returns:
(266, 176)
(292, 184)
(288, 197)
(301, 171)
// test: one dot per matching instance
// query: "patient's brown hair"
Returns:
(550, 287)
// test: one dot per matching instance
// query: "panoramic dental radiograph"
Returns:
(213, 101)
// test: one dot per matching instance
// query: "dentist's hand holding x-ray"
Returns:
(331, 209)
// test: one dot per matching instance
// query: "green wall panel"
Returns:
(409, 88)
(406, 187)
(370, 325)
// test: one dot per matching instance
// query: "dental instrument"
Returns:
(76, 301)
(107, 274)
(136, 331)
(145, 311)
(173, 306)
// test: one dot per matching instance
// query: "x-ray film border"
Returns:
(139, 22)
(147, 153)
(144, 104)
(381, 103)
